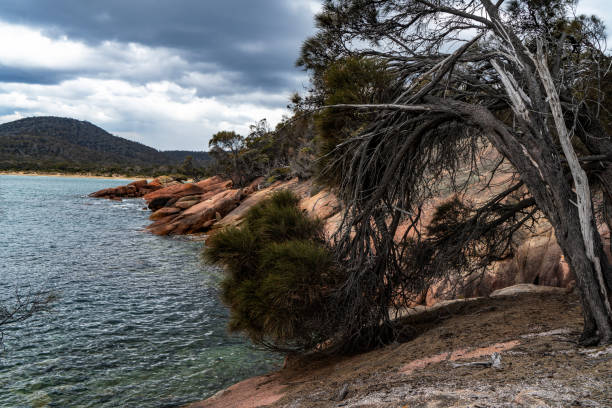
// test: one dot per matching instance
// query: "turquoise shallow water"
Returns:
(138, 322)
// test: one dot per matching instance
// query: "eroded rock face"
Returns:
(322, 205)
(174, 191)
(198, 217)
(191, 207)
(164, 212)
(538, 261)
(212, 204)
(236, 216)
(133, 190)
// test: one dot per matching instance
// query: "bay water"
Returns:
(138, 321)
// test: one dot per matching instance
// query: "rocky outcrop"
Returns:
(538, 261)
(198, 217)
(323, 205)
(209, 205)
(191, 207)
(135, 189)
(195, 191)
(236, 216)
(213, 203)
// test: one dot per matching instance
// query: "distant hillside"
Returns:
(53, 143)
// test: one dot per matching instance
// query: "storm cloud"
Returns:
(168, 73)
(165, 73)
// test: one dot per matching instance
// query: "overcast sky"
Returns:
(166, 73)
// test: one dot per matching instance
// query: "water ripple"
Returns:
(138, 322)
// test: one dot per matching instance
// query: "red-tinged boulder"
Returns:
(155, 184)
(233, 195)
(133, 190)
(322, 205)
(183, 205)
(199, 217)
(538, 260)
(198, 191)
(164, 181)
(209, 194)
(164, 212)
(106, 193)
(193, 197)
(236, 216)
(117, 192)
(122, 191)
(216, 187)
(163, 227)
(207, 183)
(146, 190)
(172, 201)
(139, 183)
(177, 190)
(158, 202)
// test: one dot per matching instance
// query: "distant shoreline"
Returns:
(72, 175)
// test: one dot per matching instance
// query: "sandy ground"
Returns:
(535, 334)
(71, 175)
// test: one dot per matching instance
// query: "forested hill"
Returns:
(54, 143)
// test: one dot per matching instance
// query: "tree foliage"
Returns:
(286, 151)
(279, 273)
(521, 77)
(225, 147)
(346, 81)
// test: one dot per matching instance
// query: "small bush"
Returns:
(279, 274)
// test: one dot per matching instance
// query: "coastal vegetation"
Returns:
(279, 275)
(407, 98)
(275, 154)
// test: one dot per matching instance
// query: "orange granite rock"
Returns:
(135, 189)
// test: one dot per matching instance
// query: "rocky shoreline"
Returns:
(203, 206)
(206, 206)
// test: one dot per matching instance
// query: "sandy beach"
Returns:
(72, 175)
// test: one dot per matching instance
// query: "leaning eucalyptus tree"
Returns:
(528, 78)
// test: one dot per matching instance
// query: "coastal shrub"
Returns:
(279, 274)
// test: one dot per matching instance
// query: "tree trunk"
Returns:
(541, 169)
(608, 217)
(591, 270)
(555, 197)
(597, 319)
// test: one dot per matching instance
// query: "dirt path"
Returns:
(535, 334)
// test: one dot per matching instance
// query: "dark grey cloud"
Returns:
(258, 40)
(33, 76)
(168, 73)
